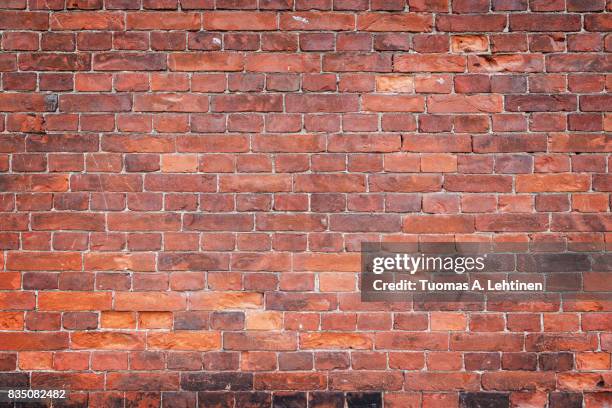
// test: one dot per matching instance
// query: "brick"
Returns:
(54, 62)
(129, 61)
(552, 182)
(19, 20)
(143, 381)
(290, 381)
(442, 381)
(506, 63)
(216, 144)
(393, 103)
(214, 61)
(509, 143)
(478, 183)
(394, 22)
(34, 341)
(593, 103)
(317, 21)
(318, 183)
(180, 182)
(429, 63)
(163, 21)
(95, 103)
(464, 103)
(87, 21)
(469, 43)
(73, 380)
(335, 341)
(145, 301)
(68, 221)
(517, 380)
(594, 22)
(540, 103)
(259, 341)
(470, 399)
(116, 261)
(239, 20)
(366, 381)
(478, 23)
(263, 183)
(217, 222)
(362, 62)
(78, 301)
(192, 261)
(134, 144)
(563, 142)
(35, 261)
(184, 341)
(171, 103)
(204, 301)
(395, 83)
(268, 62)
(27, 102)
(511, 222)
(578, 63)
(545, 22)
(426, 224)
(245, 103)
(363, 143)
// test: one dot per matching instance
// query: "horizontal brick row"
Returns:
(413, 21)
(290, 63)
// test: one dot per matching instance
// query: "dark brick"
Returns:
(191, 320)
(556, 361)
(564, 400)
(326, 400)
(204, 381)
(253, 399)
(289, 400)
(364, 400)
(483, 400)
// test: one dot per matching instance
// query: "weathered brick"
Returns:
(163, 21)
(506, 63)
(129, 61)
(394, 22)
(578, 63)
(464, 103)
(20, 20)
(264, 62)
(19, 102)
(36, 261)
(552, 182)
(214, 61)
(429, 63)
(238, 20)
(34, 341)
(317, 21)
(184, 341)
(95, 103)
(479, 23)
(544, 22)
(540, 103)
(393, 103)
(54, 62)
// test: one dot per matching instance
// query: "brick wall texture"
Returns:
(185, 184)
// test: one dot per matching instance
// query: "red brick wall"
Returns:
(185, 184)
